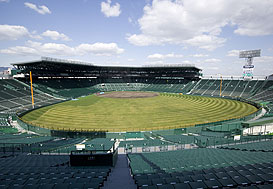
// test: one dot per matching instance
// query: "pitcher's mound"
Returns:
(128, 94)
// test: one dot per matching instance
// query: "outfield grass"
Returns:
(137, 114)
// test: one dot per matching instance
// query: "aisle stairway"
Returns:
(120, 176)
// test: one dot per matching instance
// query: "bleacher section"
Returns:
(7, 139)
(120, 86)
(263, 146)
(206, 139)
(202, 168)
(217, 140)
(4, 121)
(238, 88)
(265, 96)
(170, 88)
(180, 139)
(265, 93)
(21, 142)
(142, 143)
(55, 146)
(67, 88)
(72, 88)
(26, 143)
(48, 171)
(15, 95)
(96, 144)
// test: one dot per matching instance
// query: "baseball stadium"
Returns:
(70, 124)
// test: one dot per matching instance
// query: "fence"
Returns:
(199, 142)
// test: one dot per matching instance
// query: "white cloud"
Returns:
(254, 18)
(19, 50)
(207, 42)
(58, 49)
(36, 48)
(199, 23)
(55, 35)
(110, 11)
(6, 1)
(12, 32)
(111, 63)
(143, 40)
(154, 62)
(42, 9)
(212, 68)
(106, 49)
(130, 20)
(155, 56)
(186, 62)
(233, 53)
(199, 55)
(160, 62)
(263, 59)
(212, 60)
(130, 60)
(34, 35)
(48, 49)
(164, 56)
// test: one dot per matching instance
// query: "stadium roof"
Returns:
(73, 62)
(54, 60)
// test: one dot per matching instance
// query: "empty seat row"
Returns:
(211, 178)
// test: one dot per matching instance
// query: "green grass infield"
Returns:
(165, 111)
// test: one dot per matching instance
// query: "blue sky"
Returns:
(206, 33)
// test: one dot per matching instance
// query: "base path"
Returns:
(120, 176)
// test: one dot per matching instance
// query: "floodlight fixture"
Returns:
(248, 67)
(249, 55)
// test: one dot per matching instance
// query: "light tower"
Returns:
(248, 67)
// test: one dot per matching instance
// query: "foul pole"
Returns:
(221, 86)
(32, 98)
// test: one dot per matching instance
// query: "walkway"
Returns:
(120, 176)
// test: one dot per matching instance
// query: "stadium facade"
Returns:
(51, 68)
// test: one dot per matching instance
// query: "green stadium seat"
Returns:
(165, 186)
(171, 180)
(149, 187)
(197, 178)
(185, 179)
(266, 186)
(222, 175)
(255, 179)
(158, 181)
(182, 185)
(200, 184)
(213, 184)
(267, 177)
(210, 176)
(241, 181)
(144, 182)
(77, 186)
(227, 182)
